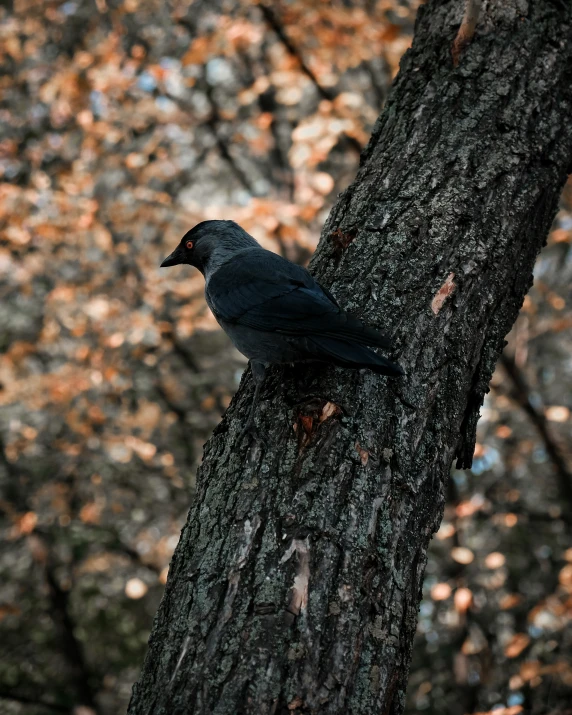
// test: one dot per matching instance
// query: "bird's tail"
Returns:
(352, 355)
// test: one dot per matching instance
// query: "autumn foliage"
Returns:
(125, 123)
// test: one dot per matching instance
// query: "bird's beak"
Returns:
(173, 260)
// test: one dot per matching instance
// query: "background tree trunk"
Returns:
(296, 582)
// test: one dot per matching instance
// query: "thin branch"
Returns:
(12, 487)
(181, 420)
(537, 417)
(29, 700)
(71, 647)
(213, 123)
(120, 548)
(115, 546)
(267, 103)
(526, 516)
(276, 25)
(379, 88)
(185, 355)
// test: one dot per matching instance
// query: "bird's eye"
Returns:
(189, 245)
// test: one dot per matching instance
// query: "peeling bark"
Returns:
(296, 582)
(466, 30)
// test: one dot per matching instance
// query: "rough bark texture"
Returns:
(296, 582)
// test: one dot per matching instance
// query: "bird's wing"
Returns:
(263, 291)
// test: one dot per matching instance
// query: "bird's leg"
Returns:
(258, 373)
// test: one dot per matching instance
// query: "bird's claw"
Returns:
(251, 430)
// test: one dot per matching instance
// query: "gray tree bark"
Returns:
(296, 582)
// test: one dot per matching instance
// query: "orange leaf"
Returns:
(516, 645)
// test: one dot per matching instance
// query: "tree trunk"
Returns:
(296, 583)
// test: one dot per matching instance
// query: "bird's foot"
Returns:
(251, 430)
(258, 370)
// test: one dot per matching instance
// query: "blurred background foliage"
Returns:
(125, 122)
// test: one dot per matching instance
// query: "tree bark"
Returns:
(296, 583)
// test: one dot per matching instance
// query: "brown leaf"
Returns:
(27, 522)
(516, 645)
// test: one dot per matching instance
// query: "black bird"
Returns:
(273, 310)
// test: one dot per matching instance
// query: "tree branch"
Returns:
(71, 647)
(521, 392)
(273, 21)
(37, 701)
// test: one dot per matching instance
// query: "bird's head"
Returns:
(208, 243)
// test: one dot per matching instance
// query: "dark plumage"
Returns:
(273, 310)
